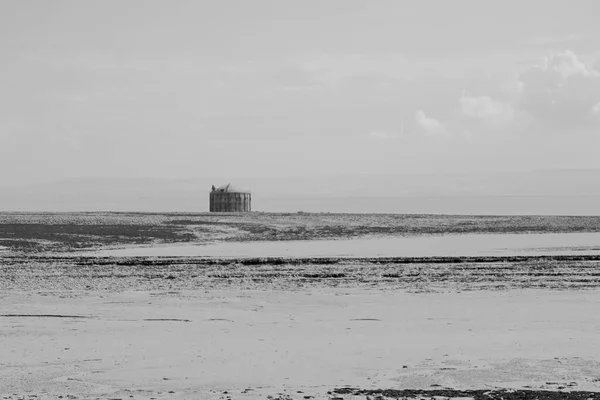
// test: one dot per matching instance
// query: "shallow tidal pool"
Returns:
(415, 246)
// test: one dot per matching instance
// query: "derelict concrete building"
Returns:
(227, 199)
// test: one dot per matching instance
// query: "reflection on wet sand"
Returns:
(415, 246)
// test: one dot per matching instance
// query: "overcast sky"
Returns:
(275, 88)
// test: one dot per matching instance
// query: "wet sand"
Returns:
(253, 320)
(252, 344)
(144, 328)
(413, 246)
(66, 232)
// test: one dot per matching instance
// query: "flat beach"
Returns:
(78, 321)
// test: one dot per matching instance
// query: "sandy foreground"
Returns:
(147, 327)
(255, 343)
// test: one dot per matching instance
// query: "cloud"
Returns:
(559, 94)
(561, 90)
(567, 64)
(486, 108)
(430, 125)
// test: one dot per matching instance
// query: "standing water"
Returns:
(414, 246)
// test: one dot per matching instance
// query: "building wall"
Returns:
(230, 202)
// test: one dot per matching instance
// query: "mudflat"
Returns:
(89, 327)
(63, 232)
